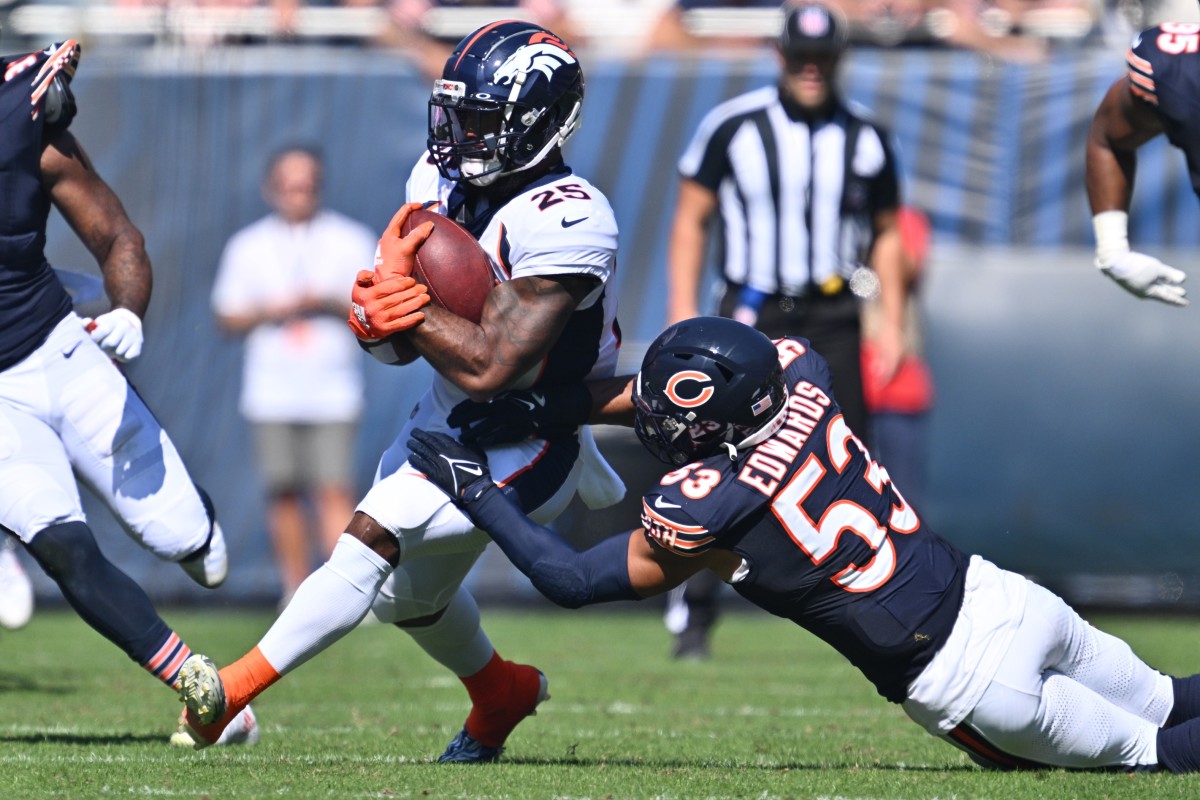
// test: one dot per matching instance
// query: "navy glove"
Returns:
(460, 471)
(514, 416)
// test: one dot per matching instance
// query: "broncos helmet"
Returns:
(705, 383)
(510, 93)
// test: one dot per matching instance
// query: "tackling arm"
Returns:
(622, 567)
(545, 412)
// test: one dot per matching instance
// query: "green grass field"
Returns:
(774, 714)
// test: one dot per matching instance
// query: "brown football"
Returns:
(452, 264)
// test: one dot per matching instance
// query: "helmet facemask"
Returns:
(678, 436)
(487, 121)
(707, 384)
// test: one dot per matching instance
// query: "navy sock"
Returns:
(1187, 700)
(1179, 747)
(107, 599)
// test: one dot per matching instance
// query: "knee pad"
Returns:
(422, 588)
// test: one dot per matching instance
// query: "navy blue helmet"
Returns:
(707, 383)
(510, 93)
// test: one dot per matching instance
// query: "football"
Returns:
(452, 264)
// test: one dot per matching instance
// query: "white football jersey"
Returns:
(559, 225)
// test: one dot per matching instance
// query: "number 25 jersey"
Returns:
(825, 539)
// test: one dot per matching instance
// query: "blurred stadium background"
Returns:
(1064, 437)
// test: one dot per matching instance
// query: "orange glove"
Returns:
(396, 254)
(382, 306)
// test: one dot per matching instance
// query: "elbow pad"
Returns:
(598, 575)
(59, 103)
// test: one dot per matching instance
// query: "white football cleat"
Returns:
(242, 729)
(210, 566)
(16, 590)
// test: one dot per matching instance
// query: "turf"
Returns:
(774, 714)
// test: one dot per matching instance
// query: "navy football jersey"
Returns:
(1164, 72)
(32, 300)
(827, 541)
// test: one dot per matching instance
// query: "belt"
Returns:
(835, 288)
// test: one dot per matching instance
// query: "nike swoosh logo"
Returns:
(474, 469)
(70, 350)
(567, 223)
(524, 402)
(660, 503)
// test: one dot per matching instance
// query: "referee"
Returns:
(806, 190)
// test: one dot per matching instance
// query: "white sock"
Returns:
(456, 641)
(327, 606)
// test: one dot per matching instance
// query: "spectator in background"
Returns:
(677, 29)
(805, 189)
(282, 284)
(899, 408)
(430, 29)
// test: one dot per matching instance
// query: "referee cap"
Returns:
(812, 28)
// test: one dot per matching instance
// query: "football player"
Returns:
(1155, 96)
(772, 491)
(509, 97)
(66, 410)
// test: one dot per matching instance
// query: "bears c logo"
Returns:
(700, 396)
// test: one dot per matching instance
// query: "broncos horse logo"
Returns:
(544, 56)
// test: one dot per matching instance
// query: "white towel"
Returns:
(599, 484)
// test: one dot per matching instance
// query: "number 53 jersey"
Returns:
(825, 539)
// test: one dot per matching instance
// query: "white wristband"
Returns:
(1112, 236)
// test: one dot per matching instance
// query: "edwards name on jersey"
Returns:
(826, 540)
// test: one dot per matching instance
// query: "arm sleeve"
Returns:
(569, 578)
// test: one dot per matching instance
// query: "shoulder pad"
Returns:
(52, 84)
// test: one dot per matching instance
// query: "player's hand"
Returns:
(380, 307)
(460, 471)
(518, 415)
(118, 332)
(396, 254)
(1147, 277)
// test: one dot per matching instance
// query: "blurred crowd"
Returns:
(1019, 30)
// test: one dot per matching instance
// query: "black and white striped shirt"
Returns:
(796, 202)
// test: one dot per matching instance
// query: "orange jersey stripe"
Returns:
(1137, 62)
(1142, 81)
